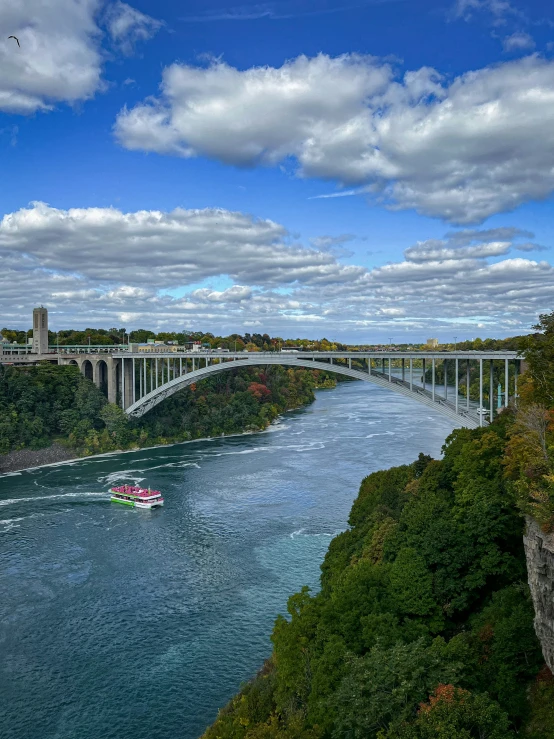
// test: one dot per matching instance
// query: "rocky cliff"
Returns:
(539, 551)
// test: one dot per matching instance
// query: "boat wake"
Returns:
(56, 496)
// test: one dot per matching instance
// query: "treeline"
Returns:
(423, 627)
(46, 403)
(118, 336)
(251, 342)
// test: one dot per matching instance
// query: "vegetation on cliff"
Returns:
(423, 627)
(45, 403)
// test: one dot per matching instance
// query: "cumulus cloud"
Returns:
(498, 9)
(60, 59)
(225, 271)
(518, 41)
(437, 250)
(127, 26)
(460, 149)
(471, 244)
(165, 250)
(531, 247)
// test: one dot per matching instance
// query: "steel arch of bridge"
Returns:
(148, 401)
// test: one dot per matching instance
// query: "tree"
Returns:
(384, 688)
(454, 713)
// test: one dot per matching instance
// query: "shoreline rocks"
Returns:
(23, 459)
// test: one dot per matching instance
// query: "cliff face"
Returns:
(539, 552)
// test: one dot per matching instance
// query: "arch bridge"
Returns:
(138, 381)
(142, 382)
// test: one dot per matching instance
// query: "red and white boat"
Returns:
(137, 497)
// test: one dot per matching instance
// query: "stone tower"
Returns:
(40, 331)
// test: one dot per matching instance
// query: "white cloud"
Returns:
(436, 250)
(127, 25)
(164, 250)
(531, 247)
(498, 9)
(518, 41)
(60, 58)
(460, 150)
(98, 266)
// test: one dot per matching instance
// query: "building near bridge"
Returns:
(432, 343)
(156, 348)
(40, 330)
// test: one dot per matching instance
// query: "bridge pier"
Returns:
(126, 383)
(480, 392)
(467, 385)
(456, 383)
(491, 391)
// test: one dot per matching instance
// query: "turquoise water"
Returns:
(128, 624)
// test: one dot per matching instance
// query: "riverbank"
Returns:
(70, 419)
(23, 459)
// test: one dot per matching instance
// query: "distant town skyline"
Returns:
(307, 169)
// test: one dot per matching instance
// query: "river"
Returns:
(117, 623)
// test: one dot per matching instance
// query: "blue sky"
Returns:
(358, 170)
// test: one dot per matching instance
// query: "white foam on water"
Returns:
(114, 477)
(385, 433)
(57, 496)
(277, 427)
(6, 521)
(297, 533)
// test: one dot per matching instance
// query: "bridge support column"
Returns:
(506, 382)
(180, 366)
(433, 378)
(193, 363)
(467, 385)
(96, 373)
(383, 367)
(140, 378)
(349, 362)
(423, 378)
(456, 383)
(411, 374)
(126, 383)
(445, 370)
(403, 370)
(369, 365)
(517, 365)
(491, 390)
(390, 369)
(480, 392)
(134, 383)
(112, 365)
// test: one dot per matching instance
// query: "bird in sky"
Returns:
(15, 37)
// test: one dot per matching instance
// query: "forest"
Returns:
(46, 403)
(423, 624)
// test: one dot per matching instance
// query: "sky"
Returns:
(364, 170)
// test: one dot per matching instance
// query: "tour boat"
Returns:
(137, 497)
